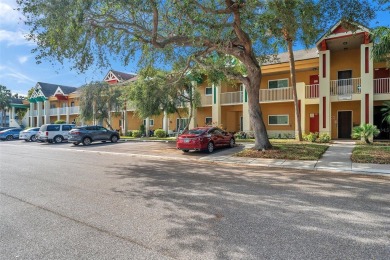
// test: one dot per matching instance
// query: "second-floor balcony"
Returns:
(206, 100)
(345, 86)
(312, 91)
(276, 94)
(382, 86)
(74, 110)
(228, 98)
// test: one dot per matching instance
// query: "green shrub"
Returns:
(59, 122)
(136, 133)
(365, 132)
(142, 129)
(324, 138)
(160, 133)
(129, 133)
(311, 137)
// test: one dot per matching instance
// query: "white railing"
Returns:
(53, 111)
(382, 86)
(74, 110)
(34, 113)
(231, 97)
(276, 94)
(345, 86)
(62, 110)
(312, 91)
(206, 100)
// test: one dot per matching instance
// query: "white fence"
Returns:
(276, 94)
(231, 97)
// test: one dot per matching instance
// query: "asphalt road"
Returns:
(147, 201)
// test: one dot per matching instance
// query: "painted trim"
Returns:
(324, 65)
(215, 95)
(366, 60)
(323, 112)
(367, 108)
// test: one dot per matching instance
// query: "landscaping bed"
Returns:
(372, 153)
(290, 150)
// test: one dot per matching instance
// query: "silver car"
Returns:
(29, 135)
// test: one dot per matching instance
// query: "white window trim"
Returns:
(288, 83)
(151, 122)
(206, 92)
(288, 119)
(205, 120)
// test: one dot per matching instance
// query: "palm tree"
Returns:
(5, 102)
(365, 131)
(386, 112)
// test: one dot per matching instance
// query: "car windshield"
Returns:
(195, 131)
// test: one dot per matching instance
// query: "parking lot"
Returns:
(131, 148)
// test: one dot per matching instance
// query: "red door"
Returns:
(314, 123)
(314, 79)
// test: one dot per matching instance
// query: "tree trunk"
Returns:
(294, 86)
(255, 114)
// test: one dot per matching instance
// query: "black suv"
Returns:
(89, 134)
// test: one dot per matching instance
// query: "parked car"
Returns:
(204, 138)
(6, 127)
(54, 133)
(10, 134)
(89, 134)
(29, 134)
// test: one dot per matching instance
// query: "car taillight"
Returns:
(75, 132)
(47, 133)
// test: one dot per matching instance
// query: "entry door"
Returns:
(344, 125)
(314, 123)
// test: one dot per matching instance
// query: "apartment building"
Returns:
(339, 87)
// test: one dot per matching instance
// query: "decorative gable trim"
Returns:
(111, 77)
(58, 92)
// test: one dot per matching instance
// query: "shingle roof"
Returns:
(16, 100)
(49, 89)
(123, 76)
(298, 55)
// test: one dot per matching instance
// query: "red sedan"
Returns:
(204, 138)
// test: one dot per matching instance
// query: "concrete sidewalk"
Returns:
(336, 159)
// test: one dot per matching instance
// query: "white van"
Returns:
(54, 133)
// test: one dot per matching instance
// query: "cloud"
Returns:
(18, 77)
(23, 59)
(8, 14)
(14, 38)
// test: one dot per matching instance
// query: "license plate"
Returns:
(186, 140)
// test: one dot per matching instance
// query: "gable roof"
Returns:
(119, 76)
(298, 55)
(49, 89)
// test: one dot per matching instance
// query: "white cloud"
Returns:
(16, 76)
(23, 59)
(8, 14)
(14, 38)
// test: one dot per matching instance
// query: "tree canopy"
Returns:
(5, 101)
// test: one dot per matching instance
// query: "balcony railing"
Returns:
(382, 86)
(345, 86)
(206, 100)
(231, 97)
(34, 113)
(62, 110)
(312, 91)
(276, 94)
(74, 110)
(53, 111)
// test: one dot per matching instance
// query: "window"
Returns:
(208, 120)
(278, 120)
(66, 127)
(151, 122)
(279, 83)
(53, 128)
(181, 123)
(208, 91)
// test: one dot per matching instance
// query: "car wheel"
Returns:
(114, 139)
(33, 138)
(9, 138)
(186, 151)
(210, 147)
(76, 143)
(231, 143)
(87, 141)
(26, 140)
(58, 139)
(104, 141)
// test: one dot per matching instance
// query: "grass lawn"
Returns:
(288, 149)
(372, 153)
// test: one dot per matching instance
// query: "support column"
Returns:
(47, 111)
(12, 117)
(367, 82)
(324, 93)
(67, 115)
(124, 122)
(302, 107)
(246, 126)
(39, 113)
(216, 105)
(31, 117)
(147, 126)
(58, 113)
(165, 122)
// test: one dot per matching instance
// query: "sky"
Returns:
(19, 71)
